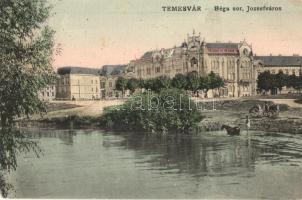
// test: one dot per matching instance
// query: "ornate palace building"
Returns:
(231, 61)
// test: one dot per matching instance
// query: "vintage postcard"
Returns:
(158, 99)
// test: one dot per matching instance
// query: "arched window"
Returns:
(194, 62)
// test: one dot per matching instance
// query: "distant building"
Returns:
(232, 61)
(287, 64)
(48, 93)
(78, 83)
(109, 75)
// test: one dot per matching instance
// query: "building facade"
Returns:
(48, 93)
(78, 83)
(232, 61)
(108, 76)
(287, 64)
(290, 65)
(81, 83)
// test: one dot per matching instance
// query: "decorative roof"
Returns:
(78, 70)
(222, 45)
(112, 69)
(148, 54)
(280, 60)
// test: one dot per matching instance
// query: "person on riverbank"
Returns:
(266, 107)
(247, 122)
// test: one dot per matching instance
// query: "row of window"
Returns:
(286, 71)
(246, 75)
(103, 85)
(65, 81)
(47, 94)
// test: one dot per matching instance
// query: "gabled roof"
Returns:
(78, 70)
(280, 60)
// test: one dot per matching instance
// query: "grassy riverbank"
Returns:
(227, 111)
(234, 113)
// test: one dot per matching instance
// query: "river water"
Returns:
(97, 164)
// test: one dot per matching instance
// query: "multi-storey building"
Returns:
(78, 83)
(290, 65)
(108, 76)
(287, 64)
(232, 61)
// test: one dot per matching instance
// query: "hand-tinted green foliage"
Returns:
(132, 84)
(264, 81)
(271, 82)
(171, 110)
(193, 82)
(26, 46)
(160, 83)
(294, 81)
(280, 80)
(121, 84)
(214, 81)
(179, 81)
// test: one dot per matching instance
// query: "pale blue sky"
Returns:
(97, 32)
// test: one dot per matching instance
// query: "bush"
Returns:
(169, 111)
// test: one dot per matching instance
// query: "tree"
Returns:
(280, 80)
(214, 81)
(204, 84)
(161, 82)
(167, 115)
(121, 84)
(264, 81)
(148, 84)
(141, 83)
(179, 81)
(297, 82)
(132, 84)
(193, 82)
(291, 81)
(26, 47)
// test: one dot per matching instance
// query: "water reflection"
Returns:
(115, 165)
(200, 156)
(66, 136)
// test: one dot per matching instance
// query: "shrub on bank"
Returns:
(170, 110)
(76, 120)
